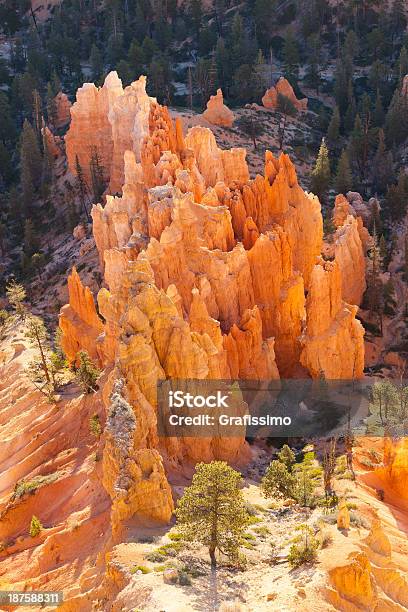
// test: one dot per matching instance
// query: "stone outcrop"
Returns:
(343, 516)
(133, 473)
(284, 88)
(342, 209)
(350, 256)
(378, 540)
(217, 112)
(109, 120)
(79, 321)
(354, 582)
(90, 129)
(333, 343)
(62, 110)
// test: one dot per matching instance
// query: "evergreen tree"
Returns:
(344, 178)
(383, 165)
(196, 14)
(374, 293)
(43, 369)
(402, 65)
(82, 187)
(51, 105)
(87, 373)
(97, 66)
(212, 510)
(35, 526)
(97, 175)
(37, 114)
(263, 16)
(291, 58)
(313, 62)
(333, 131)
(396, 198)
(396, 122)
(135, 59)
(30, 159)
(16, 295)
(237, 42)
(321, 174)
(379, 113)
(31, 241)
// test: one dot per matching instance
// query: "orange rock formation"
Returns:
(63, 110)
(217, 113)
(283, 87)
(206, 275)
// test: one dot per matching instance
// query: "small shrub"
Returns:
(184, 578)
(325, 538)
(35, 526)
(273, 554)
(262, 531)
(358, 521)
(140, 568)
(87, 373)
(304, 547)
(95, 426)
(251, 509)
(252, 520)
(156, 556)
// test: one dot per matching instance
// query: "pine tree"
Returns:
(37, 114)
(383, 165)
(51, 105)
(291, 58)
(87, 373)
(212, 510)
(41, 369)
(321, 174)
(31, 241)
(35, 526)
(196, 14)
(378, 113)
(396, 122)
(97, 175)
(136, 59)
(82, 187)
(374, 293)
(344, 178)
(333, 131)
(402, 65)
(30, 162)
(97, 66)
(16, 295)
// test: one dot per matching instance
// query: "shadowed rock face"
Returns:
(209, 273)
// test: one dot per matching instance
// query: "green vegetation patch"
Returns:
(24, 487)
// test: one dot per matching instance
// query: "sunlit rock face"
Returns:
(209, 273)
(79, 321)
(271, 98)
(217, 112)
